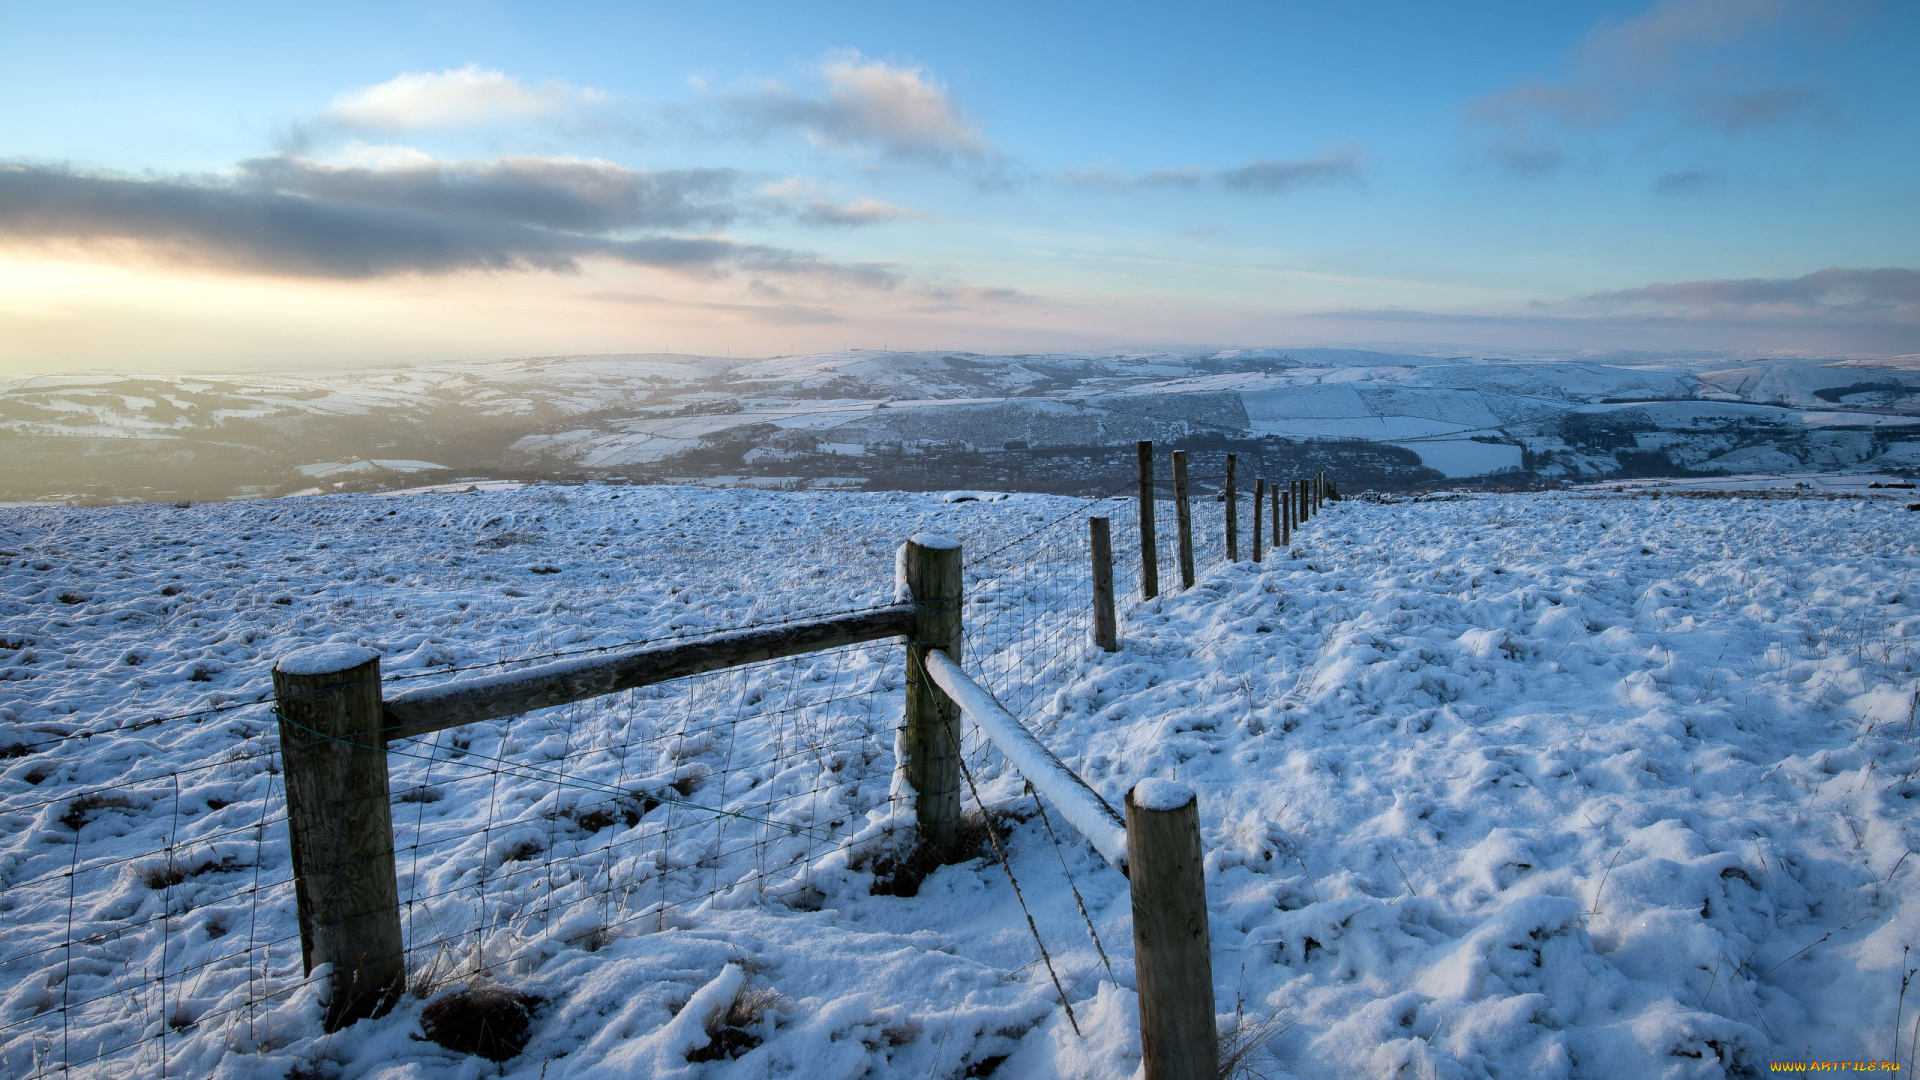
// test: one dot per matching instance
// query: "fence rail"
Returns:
(435, 708)
(1082, 806)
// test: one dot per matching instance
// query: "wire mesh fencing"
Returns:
(1030, 602)
(140, 908)
(153, 929)
(587, 819)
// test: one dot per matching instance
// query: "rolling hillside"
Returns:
(932, 420)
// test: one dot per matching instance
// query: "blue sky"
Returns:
(274, 185)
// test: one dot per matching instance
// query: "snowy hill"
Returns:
(1561, 784)
(1056, 422)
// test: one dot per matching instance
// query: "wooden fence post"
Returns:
(1259, 507)
(1183, 516)
(1149, 545)
(1306, 504)
(1106, 629)
(340, 825)
(1173, 959)
(1282, 517)
(1233, 508)
(932, 718)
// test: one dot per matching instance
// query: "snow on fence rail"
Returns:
(633, 784)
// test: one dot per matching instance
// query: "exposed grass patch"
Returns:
(487, 1021)
(173, 872)
(900, 874)
(84, 809)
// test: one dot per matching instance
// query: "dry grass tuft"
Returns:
(1246, 1043)
(174, 871)
(741, 1026)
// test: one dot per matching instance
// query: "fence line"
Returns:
(596, 815)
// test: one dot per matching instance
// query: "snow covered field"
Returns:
(1582, 784)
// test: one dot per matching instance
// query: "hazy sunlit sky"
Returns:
(280, 185)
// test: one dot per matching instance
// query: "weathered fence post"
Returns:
(1173, 959)
(1282, 517)
(1233, 508)
(1306, 504)
(1106, 630)
(1259, 507)
(340, 824)
(1149, 545)
(932, 718)
(1319, 490)
(1183, 516)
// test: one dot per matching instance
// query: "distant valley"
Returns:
(1055, 422)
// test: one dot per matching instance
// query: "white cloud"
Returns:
(899, 108)
(460, 97)
(872, 105)
(384, 156)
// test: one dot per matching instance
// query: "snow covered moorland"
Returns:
(1569, 785)
(931, 420)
